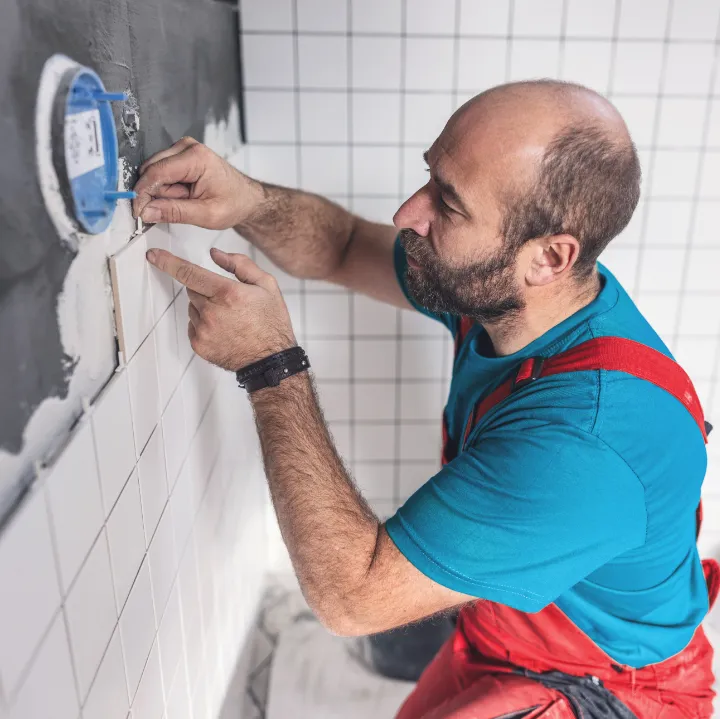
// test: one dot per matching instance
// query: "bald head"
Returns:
(558, 156)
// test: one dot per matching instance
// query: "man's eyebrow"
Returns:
(447, 188)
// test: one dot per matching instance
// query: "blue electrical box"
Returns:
(85, 149)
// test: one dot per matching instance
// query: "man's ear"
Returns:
(551, 258)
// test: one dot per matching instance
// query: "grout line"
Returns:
(351, 191)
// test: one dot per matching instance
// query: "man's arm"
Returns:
(306, 235)
(351, 573)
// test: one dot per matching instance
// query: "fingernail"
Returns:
(151, 214)
(150, 254)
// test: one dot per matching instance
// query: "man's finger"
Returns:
(194, 315)
(184, 168)
(196, 278)
(174, 192)
(243, 268)
(177, 211)
(197, 299)
(182, 144)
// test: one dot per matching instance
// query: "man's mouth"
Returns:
(412, 262)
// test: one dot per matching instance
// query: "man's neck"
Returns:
(541, 314)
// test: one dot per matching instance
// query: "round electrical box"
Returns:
(85, 148)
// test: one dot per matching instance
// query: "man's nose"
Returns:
(415, 213)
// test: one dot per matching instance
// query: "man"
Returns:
(568, 506)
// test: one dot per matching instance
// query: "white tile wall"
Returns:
(100, 563)
(389, 75)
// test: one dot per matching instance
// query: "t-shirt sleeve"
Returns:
(400, 270)
(522, 516)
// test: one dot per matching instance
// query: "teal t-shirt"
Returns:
(580, 490)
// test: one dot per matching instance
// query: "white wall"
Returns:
(131, 573)
(342, 99)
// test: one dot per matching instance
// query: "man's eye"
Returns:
(445, 204)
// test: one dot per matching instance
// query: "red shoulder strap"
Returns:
(608, 353)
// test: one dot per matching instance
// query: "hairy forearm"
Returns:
(304, 234)
(329, 530)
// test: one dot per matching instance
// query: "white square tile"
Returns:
(415, 174)
(423, 359)
(595, 19)
(375, 480)
(425, 116)
(375, 359)
(532, 59)
(637, 67)
(91, 615)
(375, 209)
(681, 122)
(144, 393)
(482, 63)
(639, 116)
(322, 61)
(182, 506)
(168, 360)
(413, 476)
(327, 315)
(49, 688)
(277, 165)
(713, 137)
(373, 318)
(162, 291)
(702, 270)
(275, 15)
(707, 221)
(329, 359)
(694, 20)
(588, 63)
(268, 61)
(374, 401)
(374, 442)
(126, 539)
(108, 698)
(170, 635)
(696, 355)
(421, 401)
(29, 601)
(431, 17)
(700, 315)
(182, 320)
(633, 232)
(689, 68)
(622, 263)
(270, 116)
(113, 432)
(175, 436)
(324, 169)
(484, 18)
(537, 17)
(163, 561)
(413, 322)
(668, 222)
(674, 173)
(334, 400)
(376, 16)
(710, 180)
(375, 117)
(73, 494)
(376, 63)
(178, 700)
(661, 312)
(148, 702)
(153, 482)
(419, 441)
(660, 270)
(321, 15)
(131, 291)
(375, 170)
(137, 628)
(429, 63)
(323, 116)
(643, 19)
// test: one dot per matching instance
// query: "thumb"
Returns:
(243, 268)
(177, 211)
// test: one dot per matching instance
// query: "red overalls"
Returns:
(475, 673)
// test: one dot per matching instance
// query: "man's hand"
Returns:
(232, 324)
(188, 183)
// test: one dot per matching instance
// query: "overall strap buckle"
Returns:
(528, 372)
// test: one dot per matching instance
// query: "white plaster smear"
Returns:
(85, 305)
